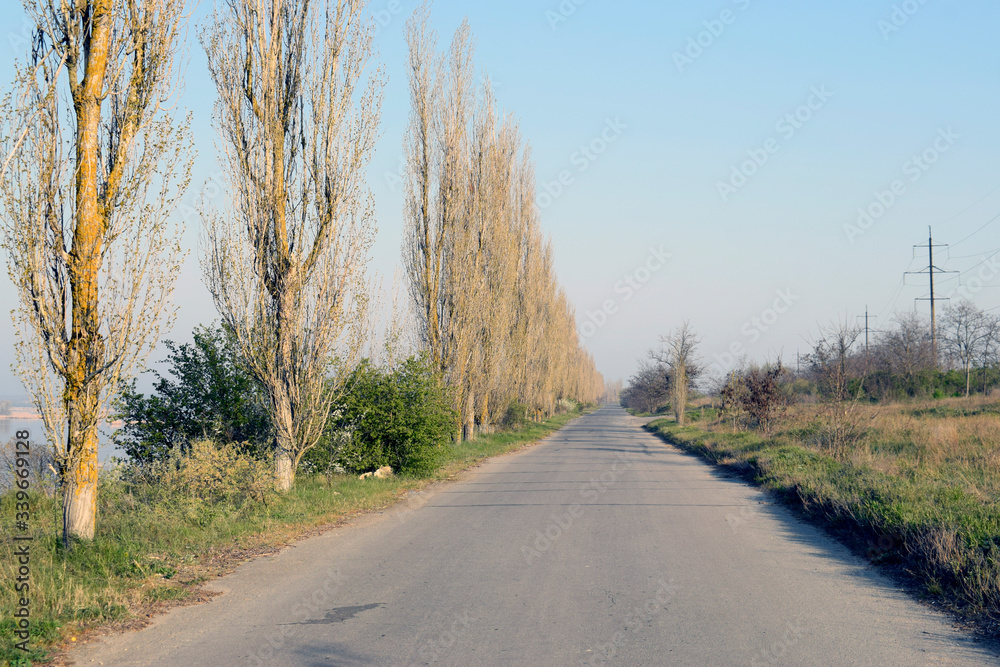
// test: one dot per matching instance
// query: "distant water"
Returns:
(105, 449)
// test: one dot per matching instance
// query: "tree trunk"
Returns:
(284, 470)
(79, 509)
(484, 415)
(86, 350)
(284, 392)
(470, 416)
(284, 435)
(284, 442)
(80, 476)
(680, 395)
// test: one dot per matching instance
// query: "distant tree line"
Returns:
(900, 362)
(491, 315)
(897, 363)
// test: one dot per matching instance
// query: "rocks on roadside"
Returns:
(381, 473)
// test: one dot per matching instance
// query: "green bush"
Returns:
(515, 417)
(399, 417)
(210, 397)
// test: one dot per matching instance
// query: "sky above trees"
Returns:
(756, 168)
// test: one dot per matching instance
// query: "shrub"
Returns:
(765, 399)
(566, 405)
(399, 417)
(515, 417)
(41, 467)
(210, 397)
(755, 396)
(205, 471)
(220, 473)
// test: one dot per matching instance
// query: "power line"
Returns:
(974, 204)
(894, 297)
(975, 254)
(974, 266)
(988, 223)
(896, 293)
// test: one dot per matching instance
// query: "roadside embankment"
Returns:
(917, 492)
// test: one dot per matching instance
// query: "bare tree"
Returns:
(966, 332)
(286, 262)
(436, 147)
(906, 347)
(831, 360)
(835, 367)
(991, 346)
(733, 396)
(612, 392)
(678, 352)
(93, 177)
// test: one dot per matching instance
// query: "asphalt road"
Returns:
(600, 545)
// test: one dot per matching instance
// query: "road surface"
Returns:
(601, 545)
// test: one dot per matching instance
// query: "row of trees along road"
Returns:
(94, 163)
(491, 313)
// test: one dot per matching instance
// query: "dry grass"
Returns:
(917, 484)
(955, 439)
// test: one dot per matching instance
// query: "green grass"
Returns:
(146, 555)
(930, 518)
(464, 454)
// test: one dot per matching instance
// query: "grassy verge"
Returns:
(916, 490)
(146, 558)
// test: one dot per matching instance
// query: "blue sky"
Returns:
(644, 108)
